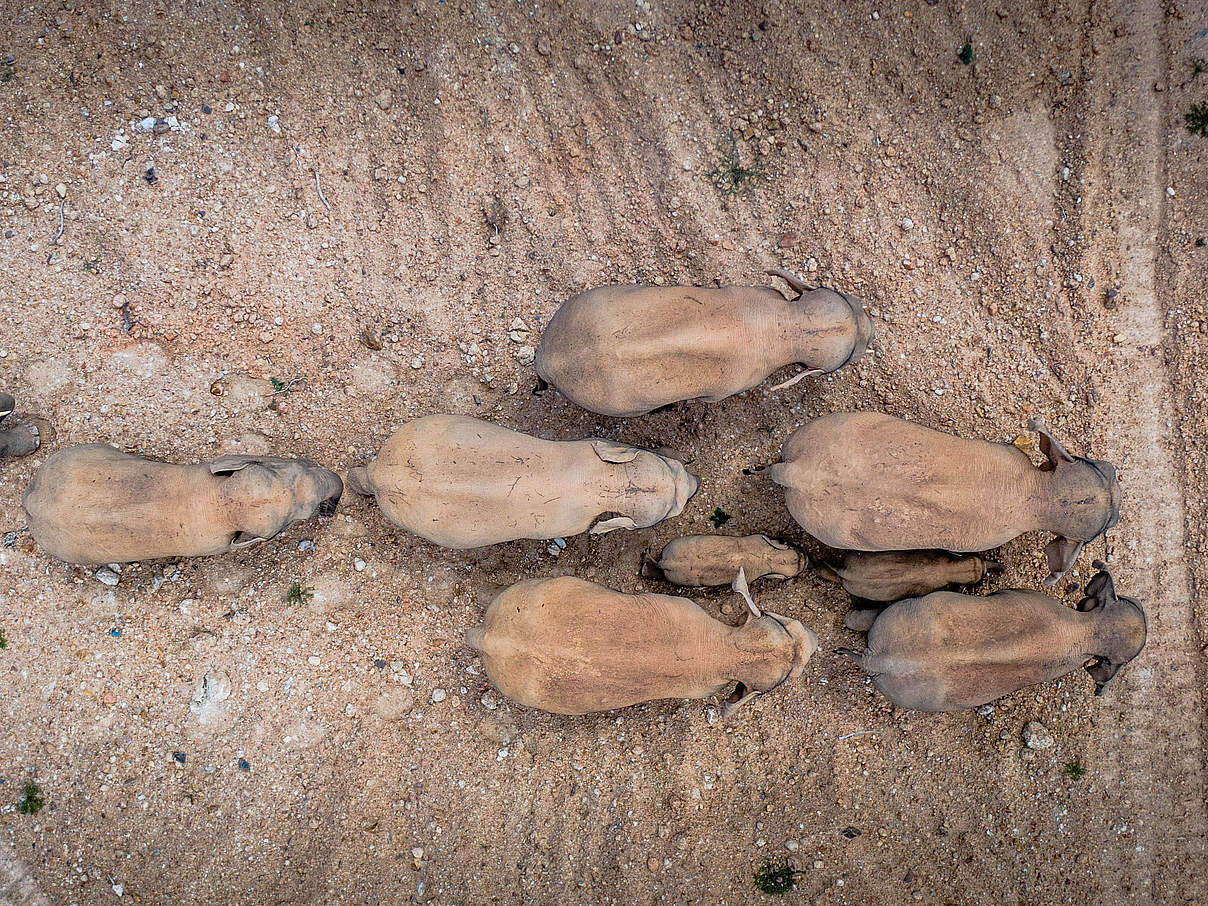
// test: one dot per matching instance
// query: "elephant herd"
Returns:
(908, 508)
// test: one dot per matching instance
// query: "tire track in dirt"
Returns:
(1151, 733)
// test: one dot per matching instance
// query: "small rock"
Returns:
(438, 694)
(652, 863)
(543, 47)
(120, 300)
(907, 224)
(1170, 191)
(106, 576)
(384, 99)
(518, 331)
(61, 190)
(358, 565)
(1037, 736)
(791, 845)
(525, 355)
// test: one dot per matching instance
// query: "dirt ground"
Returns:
(366, 197)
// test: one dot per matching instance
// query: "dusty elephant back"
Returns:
(871, 482)
(94, 504)
(573, 647)
(625, 350)
(946, 651)
(465, 483)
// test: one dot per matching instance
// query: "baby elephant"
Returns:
(95, 504)
(867, 481)
(17, 440)
(626, 350)
(901, 574)
(697, 560)
(574, 647)
(466, 483)
(948, 651)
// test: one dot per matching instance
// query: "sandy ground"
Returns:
(1023, 228)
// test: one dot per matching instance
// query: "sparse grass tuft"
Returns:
(298, 594)
(1197, 119)
(31, 801)
(1074, 770)
(732, 176)
(776, 879)
(965, 54)
(3, 641)
(720, 517)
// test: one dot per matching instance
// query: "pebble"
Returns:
(384, 99)
(525, 355)
(438, 694)
(119, 300)
(1170, 191)
(358, 565)
(314, 660)
(792, 845)
(106, 576)
(518, 332)
(1037, 736)
(652, 863)
(61, 190)
(907, 224)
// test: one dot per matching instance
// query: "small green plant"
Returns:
(1200, 242)
(1198, 67)
(731, 176)
(31, 801)
(776, 879)
(3, 642)
(720, 517)
(298, 594)
(278, 384)
(92, 265)
(965, 54)
(1074, 770)
(1197, 119)
(6, 74)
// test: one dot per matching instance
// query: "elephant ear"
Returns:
(1060, 554)
(227, 465)
(1052, 449)
(611, 525)
(611, 451)
(739, 697)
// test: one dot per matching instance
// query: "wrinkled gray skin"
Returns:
(18, 440)
(948, 651)
(870, 482)
(627, 350)
(94, 504)
(573, 647)
(698, 560)
(465, 483)
(901, 574)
